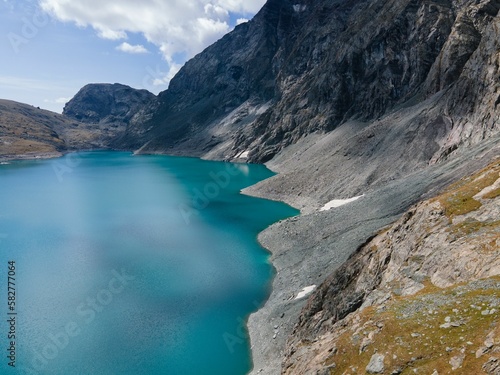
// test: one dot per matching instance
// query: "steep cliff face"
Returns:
(228, 85)
(112, 106)
(468, 68)
(422, 295)
(304, 67)
(374, 56)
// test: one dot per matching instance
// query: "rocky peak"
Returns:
(107, 103)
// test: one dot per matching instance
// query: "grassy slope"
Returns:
(26, 131)
(411, 331)
(452, 240)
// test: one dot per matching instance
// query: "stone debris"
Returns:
(376, 365)
(456, 361)
(492, 366)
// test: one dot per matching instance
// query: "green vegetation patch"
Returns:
(458, 200)
(472, 226)
(425, 331)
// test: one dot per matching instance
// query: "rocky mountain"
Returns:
(95, 118)
(385, 101)
(303, 67)
(307, 249)
(112, 106)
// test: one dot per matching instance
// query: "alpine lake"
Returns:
(123, 264)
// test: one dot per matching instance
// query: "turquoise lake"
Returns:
(132, 264)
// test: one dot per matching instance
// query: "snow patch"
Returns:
(339, 202)
(305, 291)
(243, 155)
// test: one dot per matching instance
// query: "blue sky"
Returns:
(51, 48)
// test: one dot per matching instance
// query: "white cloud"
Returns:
(129, 48)
(58, 100)
(157, 79)
(215, 11)
(241, 6)
(239, 21)
(164, 79)
(177, 27)
(106, 33)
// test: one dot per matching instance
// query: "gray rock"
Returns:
(376, 364)
(490, 340)
(111, 105)
(327, 370)
(456, 362)
(492, 366)
(270, 82)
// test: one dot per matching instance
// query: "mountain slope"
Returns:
(411, 295)
(94, 118)
(27, 132)
(301, 68)
(234, 74)
(112, 106)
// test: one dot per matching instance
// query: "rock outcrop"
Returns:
(95, 118)
(309, 67)
(422, 294)
(112, 106)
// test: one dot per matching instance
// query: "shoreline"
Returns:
(308, 248)
(51, 155)
(32, 156)
(305, 249)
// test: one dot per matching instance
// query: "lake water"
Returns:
(132, 264)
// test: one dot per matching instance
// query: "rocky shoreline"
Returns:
(390, 101)
(30, 156)
(307, 249)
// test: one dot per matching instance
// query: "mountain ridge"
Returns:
(388, 100)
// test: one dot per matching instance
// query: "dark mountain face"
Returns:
(112, 106)
(238, 69)
(299, 68)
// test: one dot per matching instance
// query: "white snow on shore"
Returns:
(305, 291)
(243, 155)
(339, 202)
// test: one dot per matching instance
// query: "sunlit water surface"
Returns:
(132, 264)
